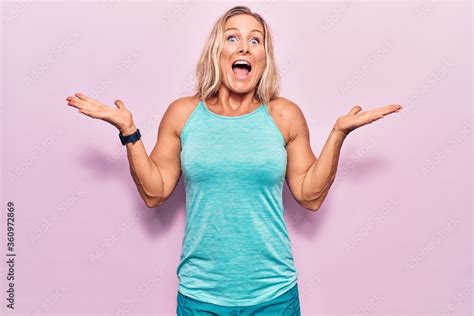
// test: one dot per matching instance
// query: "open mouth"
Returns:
(241, 68)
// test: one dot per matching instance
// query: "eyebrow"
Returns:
(233, 28)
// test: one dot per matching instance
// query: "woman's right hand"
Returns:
(120, 117)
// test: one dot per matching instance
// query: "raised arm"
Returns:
(156, 175)
(308, 177)
(165, 156)
(300, 155)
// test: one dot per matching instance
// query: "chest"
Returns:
(234, 153)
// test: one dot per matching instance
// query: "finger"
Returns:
(369, 116)
(91, 112)
(356, 109)
(119, 104)
(385, 110)
(397, 107)
(86, 112)
(86, 98)
(84, 102)
(75, 102)
(391, 108)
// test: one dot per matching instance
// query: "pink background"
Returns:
(394, 236)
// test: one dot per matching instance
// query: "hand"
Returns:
(347, 123)
(121, 118)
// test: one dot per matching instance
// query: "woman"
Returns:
(235, 141)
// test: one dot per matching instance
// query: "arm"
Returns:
(145, 172)
(156, 176)
(308, 177)
(320, 176)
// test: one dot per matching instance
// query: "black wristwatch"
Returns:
(130, 138)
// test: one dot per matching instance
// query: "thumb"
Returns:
(356, 109)
(119, 104)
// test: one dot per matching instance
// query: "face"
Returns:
(243, 54)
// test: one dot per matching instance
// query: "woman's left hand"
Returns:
(347, 123)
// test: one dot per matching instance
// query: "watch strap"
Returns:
(130, 138)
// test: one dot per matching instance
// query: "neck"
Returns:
(234, 101)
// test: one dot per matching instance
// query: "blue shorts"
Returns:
(287, 304)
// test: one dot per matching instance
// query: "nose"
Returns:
(244, 47)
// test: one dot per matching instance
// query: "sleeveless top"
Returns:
(235, 249)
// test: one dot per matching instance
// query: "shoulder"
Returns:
(183, 105)
(289, 115)
(286, 108)
(178, 111)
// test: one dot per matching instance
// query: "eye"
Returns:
(255, 40)
(230, 37)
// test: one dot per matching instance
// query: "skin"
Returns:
(309, 178)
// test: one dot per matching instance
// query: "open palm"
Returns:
(119, 117)
(355, 118)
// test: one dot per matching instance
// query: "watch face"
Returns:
(130, 138)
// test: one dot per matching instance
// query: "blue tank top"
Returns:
(235, 249)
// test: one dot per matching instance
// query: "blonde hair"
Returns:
(208, 72)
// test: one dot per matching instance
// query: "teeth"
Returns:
(241, 62)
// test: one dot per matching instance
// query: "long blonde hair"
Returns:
(208, 72)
